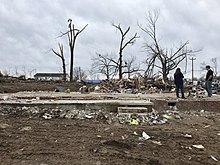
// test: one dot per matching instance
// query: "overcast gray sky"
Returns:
(29, 29)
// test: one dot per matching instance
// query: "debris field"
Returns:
(35, 135)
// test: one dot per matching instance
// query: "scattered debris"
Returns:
(187, 136)
(3, 125)
(167, 117)
(84, 89)
(106, 129)
(47, 116)
(89, 116)
(60, 89)
(135, 133)
(67, 90)
(27, 128)
(134, 121)
(199, 146)
(5, 98)
(214, 158)
(156, 142)
(145, 136)
(28, 101)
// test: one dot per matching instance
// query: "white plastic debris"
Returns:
(214, 158)
(202, 111)
(24, 108)
(135, 133)
(47, 116)
(156, 142)
(187, 136)
(97, 88)
(145, 136)
(89, 116)
(199, 146)
(124, 137)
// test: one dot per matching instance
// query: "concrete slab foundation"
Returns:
(105, 102)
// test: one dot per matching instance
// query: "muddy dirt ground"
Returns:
(36, 141)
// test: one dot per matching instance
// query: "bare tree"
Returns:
(103, 64)
(131, 66)
(123, 44)
(61, 55)
(72, 34)
(79, 74)
(158, 57)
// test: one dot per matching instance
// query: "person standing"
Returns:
(178, 80)
(208, 80)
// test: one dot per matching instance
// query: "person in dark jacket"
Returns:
(208, 80)
(178, 80)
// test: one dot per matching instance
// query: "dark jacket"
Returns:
(178, 78)
(209, 73)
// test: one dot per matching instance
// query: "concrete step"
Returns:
(134, 110)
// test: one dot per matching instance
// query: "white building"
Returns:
(48, 76)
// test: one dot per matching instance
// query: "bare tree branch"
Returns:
(61, 55)
(159, 57)
(123, 45)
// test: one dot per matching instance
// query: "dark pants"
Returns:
(179, 87)
(208, 86)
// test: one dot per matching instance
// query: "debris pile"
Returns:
(131, 86)
(151, 118)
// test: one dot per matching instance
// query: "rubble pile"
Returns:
(152, 118)
(129, 86)
(137, 86)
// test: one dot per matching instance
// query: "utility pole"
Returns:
(192, 67)
(214, 60)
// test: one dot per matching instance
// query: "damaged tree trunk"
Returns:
(61, 55)
(123, 45)
(72, 35)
